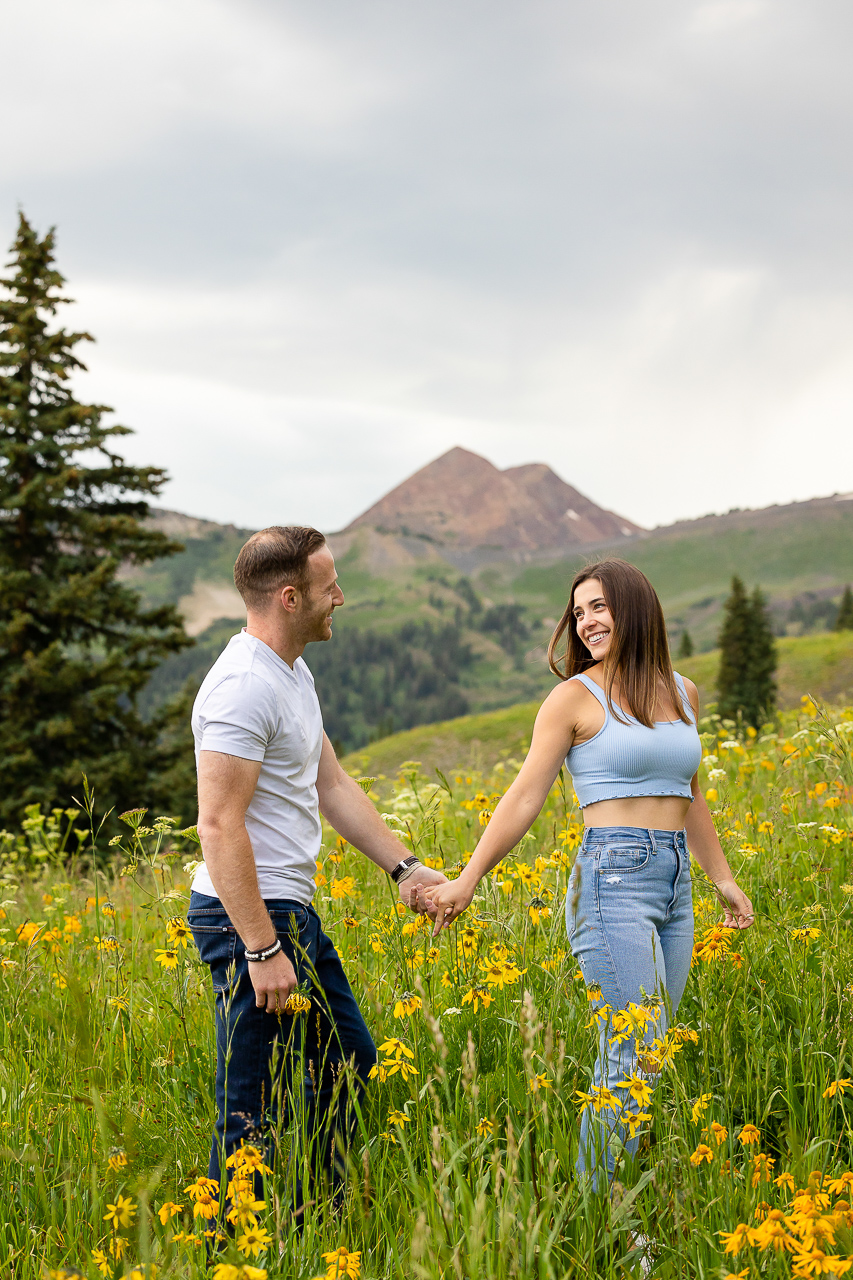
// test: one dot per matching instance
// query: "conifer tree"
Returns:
(746, 683)
(685, 645)
(76, 646)
(844, 621)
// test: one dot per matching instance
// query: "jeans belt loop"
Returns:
(654, 846)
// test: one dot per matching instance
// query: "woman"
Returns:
(625, 724)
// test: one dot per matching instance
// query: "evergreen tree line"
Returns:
(77, 647)
(746, 680)
(373, 683)
(370, 683)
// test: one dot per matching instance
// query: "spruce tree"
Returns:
(685, 645)
(76, 645)
(844, 621)
(746, 683)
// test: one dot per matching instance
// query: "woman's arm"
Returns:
(704, 845)
(553, 735)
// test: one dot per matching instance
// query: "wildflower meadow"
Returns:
(463, 1160)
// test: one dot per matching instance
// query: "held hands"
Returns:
(411, 889)
(738, 908)
(445, 902)
(274, 980)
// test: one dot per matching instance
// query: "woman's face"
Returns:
(592, 617)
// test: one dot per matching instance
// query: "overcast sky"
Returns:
(321, 242)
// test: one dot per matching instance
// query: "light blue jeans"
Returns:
(629, 913)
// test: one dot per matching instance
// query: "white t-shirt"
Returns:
(253, 705)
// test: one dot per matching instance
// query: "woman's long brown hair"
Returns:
(639, 650)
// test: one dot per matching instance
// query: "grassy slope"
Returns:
(821, 665)
(786, 552)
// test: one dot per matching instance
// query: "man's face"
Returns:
(323, 595)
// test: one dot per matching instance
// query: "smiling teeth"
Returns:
(599, 635)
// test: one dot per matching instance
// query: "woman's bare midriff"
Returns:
(660, 813)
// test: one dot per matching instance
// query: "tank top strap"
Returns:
(595, 689)
(682, 689)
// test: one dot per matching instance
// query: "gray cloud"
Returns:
(320, 244)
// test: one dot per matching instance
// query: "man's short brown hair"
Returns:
(275, 558)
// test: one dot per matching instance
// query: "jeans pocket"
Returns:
(623, 858)
(217, 942)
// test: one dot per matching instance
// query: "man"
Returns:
(266, 770)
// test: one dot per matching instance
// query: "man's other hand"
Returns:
(274, 980)
(422, 878)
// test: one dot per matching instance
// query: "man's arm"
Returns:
(345, 807)
(226, 785)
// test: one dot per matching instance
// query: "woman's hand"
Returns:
(738, 908)
(445, 902)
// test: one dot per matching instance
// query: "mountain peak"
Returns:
(463, 501)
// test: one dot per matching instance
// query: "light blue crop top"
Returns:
(632, 760)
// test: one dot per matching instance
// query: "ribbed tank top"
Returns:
(624, 760)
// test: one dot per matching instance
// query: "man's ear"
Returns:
(289, 599)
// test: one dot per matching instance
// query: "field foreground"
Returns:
(463, 1165)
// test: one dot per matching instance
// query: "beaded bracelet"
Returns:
(267, 953)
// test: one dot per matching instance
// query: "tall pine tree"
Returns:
(844, 621)
(76, 647)
(746, 683)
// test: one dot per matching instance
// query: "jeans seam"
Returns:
(600, 920)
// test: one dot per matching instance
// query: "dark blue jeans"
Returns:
(279, 1070)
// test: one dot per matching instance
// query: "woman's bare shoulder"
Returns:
(692, 693)
(568, 701)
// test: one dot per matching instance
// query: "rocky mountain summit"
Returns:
(464, 504)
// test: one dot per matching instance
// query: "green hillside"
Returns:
(818, 665)
(801, 556)
(419, 640)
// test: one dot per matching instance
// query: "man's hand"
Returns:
(410, 889)
(274, 980)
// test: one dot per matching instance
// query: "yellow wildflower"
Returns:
(702, 1152)
(598, 1097)
(478, 996)
(168, 1210)
(201, 1187)
(178, 931)
(296, 1003)
(762, 1166)
(253, 1240)
(837, 1086)
(342, 1265)
(539, 1082)
(634, 1121)
(168, 959)
(749, 1135)
(700, 1106)
(734, 1241)
(343, 888)
(486, 1128)
(408, 1004)
(120, 1214)
(638, 1088)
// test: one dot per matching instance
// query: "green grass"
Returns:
(465, 1168)
(468, 742)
